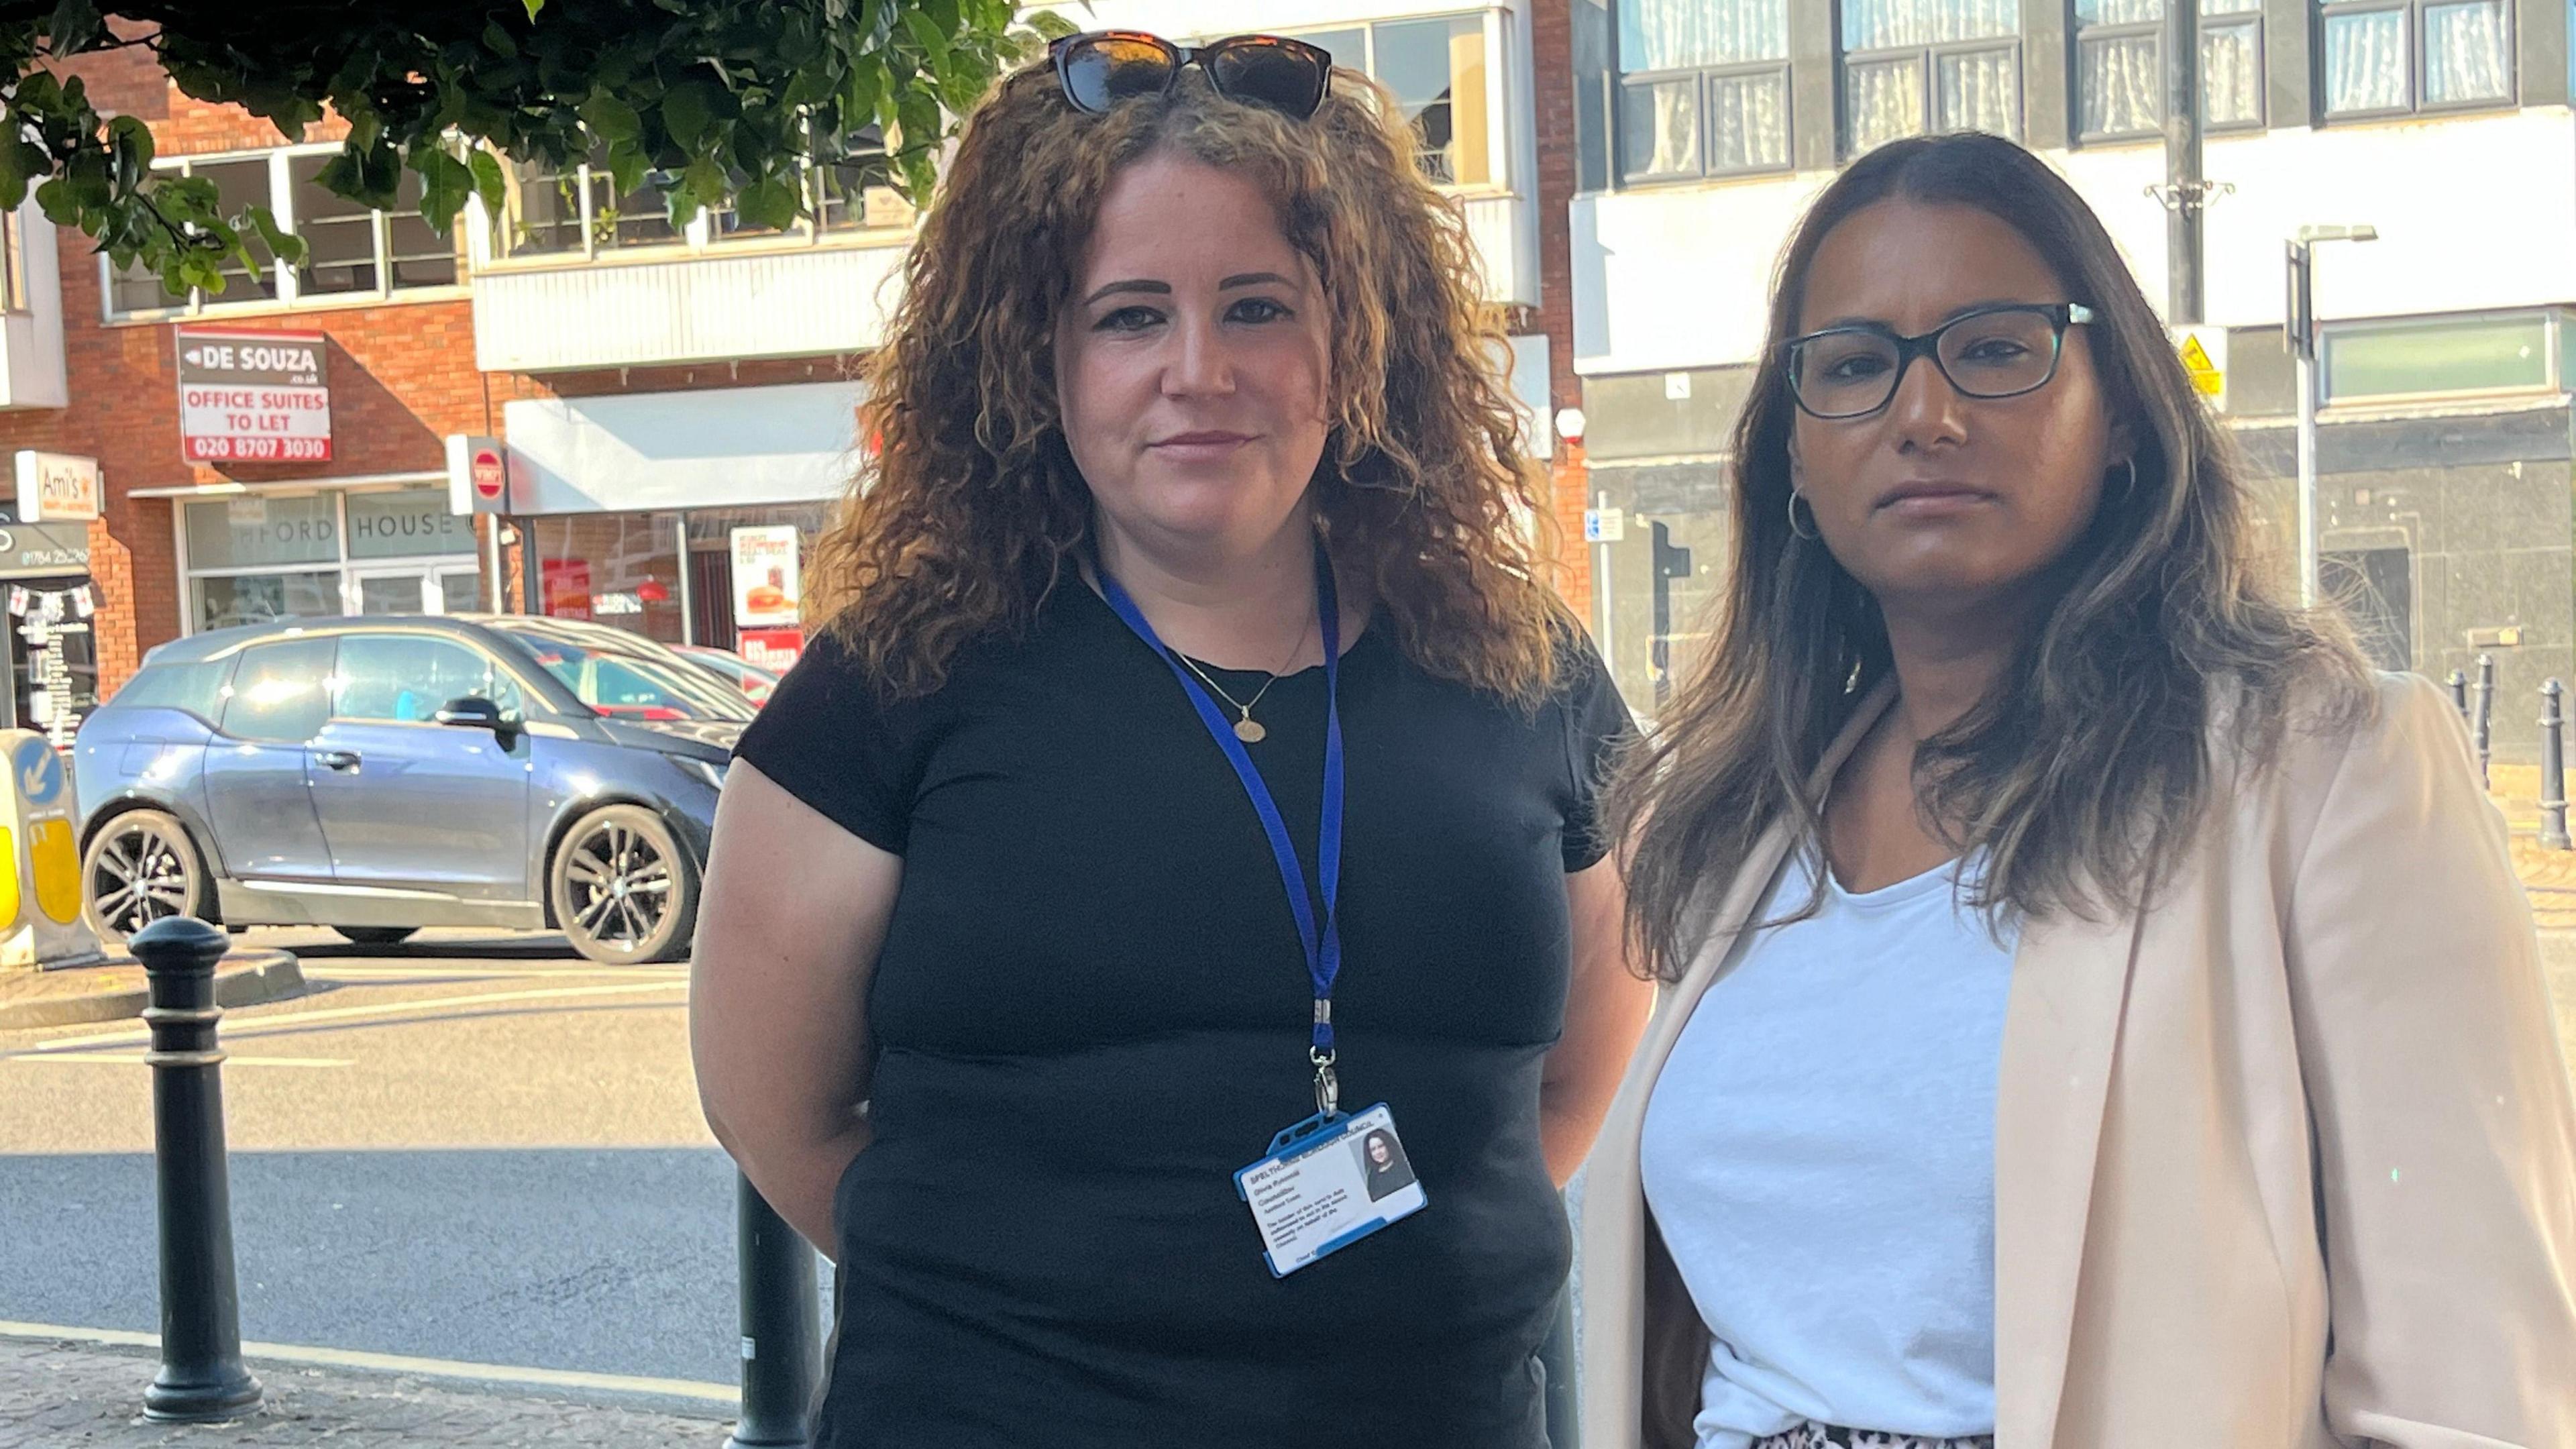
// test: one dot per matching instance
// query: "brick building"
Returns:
(669, 400)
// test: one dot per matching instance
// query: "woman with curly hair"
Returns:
(1193, 751)
(2103, 1013)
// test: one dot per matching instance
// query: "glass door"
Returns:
(415, 589)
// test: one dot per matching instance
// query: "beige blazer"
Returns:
(2288, 1162)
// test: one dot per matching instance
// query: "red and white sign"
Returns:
(772, 649)
(489, 476)
(253, 397)
(478, 475)
(566, 584)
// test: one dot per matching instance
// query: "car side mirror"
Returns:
(473, 712)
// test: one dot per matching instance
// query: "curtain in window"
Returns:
(2366, 61)
(1680, 34)
(1659, 128)
(1893, 24)
(1882, 102)
(2465, 55)
(1981, 91)
(1748, 121)
(2121, 90)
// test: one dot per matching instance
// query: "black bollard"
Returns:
(2553, 770)
(782, 1332)
(2482, 727)
(2459, 683)
(201, 1373)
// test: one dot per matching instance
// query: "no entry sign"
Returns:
(253, 397)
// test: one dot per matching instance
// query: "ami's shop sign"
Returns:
(253, 397)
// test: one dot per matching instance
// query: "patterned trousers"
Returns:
(1812, 1435)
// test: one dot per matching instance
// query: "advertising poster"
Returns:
(567, 587)
(765, 585)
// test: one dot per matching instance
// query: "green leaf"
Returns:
(489, 183)
(131, 142)
(942, 13)
(14, 175)
(865, 90)
(498, 41)
(686, 113)
(770, 202)
(1050, 25)
(611, 119)
(626, 168)
(445, 182)
(533, 7)
(75, 27)
(927, 34)
(282, 244)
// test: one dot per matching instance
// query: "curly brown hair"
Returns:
(963, 522)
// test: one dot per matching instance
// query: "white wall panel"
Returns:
(710, 307)
(2473, 213)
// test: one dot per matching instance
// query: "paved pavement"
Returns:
(466, 1149)
(78, 1396)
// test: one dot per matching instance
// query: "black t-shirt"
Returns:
(1091, 1008)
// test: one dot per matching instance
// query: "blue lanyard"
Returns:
(1322, 944)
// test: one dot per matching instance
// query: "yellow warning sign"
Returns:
(2204, 359)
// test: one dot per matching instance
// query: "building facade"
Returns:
(673, 407)
(2449, 344)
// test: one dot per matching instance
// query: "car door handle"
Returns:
(343, 760)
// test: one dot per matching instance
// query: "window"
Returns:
(2395, 57)
(277, 694)
(2439, 355)
(408, 678)
(2120, 57)
(1436, 68)
(633, 686)
(193, 688)
(264, 557)
(578, 210)
(1912, 66)
(351, 250)
(13, 262)
(1703, 87)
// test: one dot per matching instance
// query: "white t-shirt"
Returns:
(1819, 1154)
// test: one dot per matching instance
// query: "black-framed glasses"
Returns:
(1103, 67)
(1991, 352)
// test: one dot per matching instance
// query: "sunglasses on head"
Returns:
(1104, 67)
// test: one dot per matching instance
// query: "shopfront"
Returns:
(686, 517)
(254, 555)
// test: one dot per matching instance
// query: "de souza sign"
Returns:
(253, 397)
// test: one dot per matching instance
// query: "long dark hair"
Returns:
(2090, 753)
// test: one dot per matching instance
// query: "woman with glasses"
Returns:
(2102, 1012)
(1186, 811)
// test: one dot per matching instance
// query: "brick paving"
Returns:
(59, 1395)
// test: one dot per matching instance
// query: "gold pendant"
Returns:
(1251, 733)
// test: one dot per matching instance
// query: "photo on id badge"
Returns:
(1327, 1191)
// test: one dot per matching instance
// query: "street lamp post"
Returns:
(2300, 321)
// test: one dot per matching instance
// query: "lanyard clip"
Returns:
(1328, 1087)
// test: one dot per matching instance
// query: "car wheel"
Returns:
(623, 889)
(377, 935)
(139, 868)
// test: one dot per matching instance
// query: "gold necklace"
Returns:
(1246, 728)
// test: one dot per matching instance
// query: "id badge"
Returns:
(1327, 1183)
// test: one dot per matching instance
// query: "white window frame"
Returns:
(290, 291)
(1500, 92)
(344, 568)
(697, 239)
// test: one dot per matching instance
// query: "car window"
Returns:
(280, 692)
(628, 684)
(410, 677)
(195, 687)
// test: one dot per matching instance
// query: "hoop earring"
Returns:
(1810, 533)
(2131, 489)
